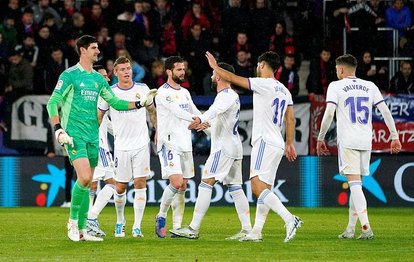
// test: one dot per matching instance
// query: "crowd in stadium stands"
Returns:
(37, 40)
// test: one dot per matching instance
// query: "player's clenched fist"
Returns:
(62, 137)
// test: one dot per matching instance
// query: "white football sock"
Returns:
(202, 204)
(242, 206)
(261, 214)
(360, 202)
(120, 201)
(353, 216)
(101, 200)
(92, 195)
(274, 203)
(177, 206)
(166, 199)
(140, 200)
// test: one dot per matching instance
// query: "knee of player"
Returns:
(140, 182)
(209, 181)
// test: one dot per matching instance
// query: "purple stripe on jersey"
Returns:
(250, 84)
(125, 89)
(378, 102)
(332, 102)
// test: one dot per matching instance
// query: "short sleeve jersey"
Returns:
(270, 101)
(174, 113)
(80, 90)
(354, 99)
(224, 133)
(129, 127)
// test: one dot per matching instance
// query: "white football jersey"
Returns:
(130, 127)
(354, 99)
(270, 101)
(223, 115)
(104, 128)
(175, 110)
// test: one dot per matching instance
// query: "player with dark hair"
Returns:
(76, 127)
(272, 105)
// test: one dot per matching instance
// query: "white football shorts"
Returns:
(224, 169)
(132, 164)
(105, 168)
(173, 162)
(264, 162)
(353, 162)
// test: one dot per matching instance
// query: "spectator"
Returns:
(287, 74)
(234, 19)
(193, 50)
(9, 32)
(398, 17)
(402, 82)
(362, 16)
(95, 20)
(157, 77)
(321, 73)
(148, 52)
(242, 43)
(74, 28)
(262, 21)
(141, 18)
(68, 10)
(3, 65)
(20, 83)
(161, 11)
(381, 45)
(368, 70)
(243, 67)
(43, 7)
(194, 16)
(29, 49)
(12, 10)
(109, 65)
(337, 13)
(126, 23)
(55, 66)
(281, 42)
(44, 42)
(168, 41)
(109, 13)
(26, 25)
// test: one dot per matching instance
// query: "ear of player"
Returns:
(148, 99)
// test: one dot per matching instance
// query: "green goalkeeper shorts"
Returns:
(83, 149)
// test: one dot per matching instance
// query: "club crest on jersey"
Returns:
(138, 96)
(168, 98)
(74, 152)
(59, 85)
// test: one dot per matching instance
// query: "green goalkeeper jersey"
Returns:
(77, 92)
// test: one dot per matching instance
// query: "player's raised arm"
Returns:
(228, 76)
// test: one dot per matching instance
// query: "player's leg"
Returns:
(170, 168)
(349, 232)
(353, 163)
(92, 192)
(140, 201)
(178, 204)
(234, 180)
(177, 208)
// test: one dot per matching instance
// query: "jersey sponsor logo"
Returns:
(59, 85)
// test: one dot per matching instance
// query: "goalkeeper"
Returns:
(76, 128)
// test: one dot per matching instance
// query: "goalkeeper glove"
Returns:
(62, 137)
(147, 99)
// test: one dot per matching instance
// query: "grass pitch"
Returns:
(38, 234)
